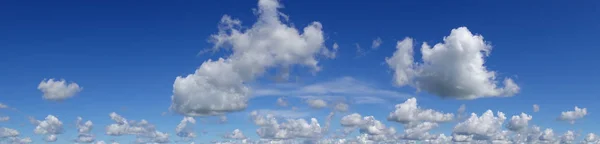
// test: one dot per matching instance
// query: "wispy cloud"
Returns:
(284, 113)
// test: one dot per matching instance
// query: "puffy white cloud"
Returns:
(341, 107)
(536, 108)
(484, 127)
(184, 129)
(591, 138)
(236, 134)
(518, 123)
(218, 86)
(568, 137)
(374, 129)
(143, 130)
(571, 116)
(59, 89)
(376, 43)
(50, 127)
(351, 120)
(439, 139)
(7, 132)
(547, 135)
(409, 112)
(454, 68)
(419, 131)
(84, 128)
(316, 103)
(282, 102)
(270, 128)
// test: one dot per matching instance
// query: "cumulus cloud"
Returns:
(571, 116)
(519, 122)
(50, 127)
(7, 132)
(184, 128)
(282, 102)
(409, 112)
(316, 103)
(84, 128)
(143, 130)
(373, 129)
(271, 128)
(235, 134)
(58, 89)
(568, 137)
(483, 127)
(536, 108)
(376, 43)
(454, 68)
(218, 86)
(591, 138)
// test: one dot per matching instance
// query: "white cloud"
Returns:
(143, 130)
(3, 106)
(351, 120)
(84, 128)
(571, 116)
(51, 127)
(374, 129)
(341, 107)
(568, 137)
(7, 132)
(282, 113)
(270, 128)
(59, 89)
(218, 86)
(185, 129)
(591, 138)
(461, 111)
(368, 100)
(480, 128)
(408, 112)
(519, 122)
(376, 43)
(419, 131)
(454, 68)
(236, 134)
(282, 102)
(316, 103)
(536, 108)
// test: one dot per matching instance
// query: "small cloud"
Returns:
(376, 43)
(536, 108)
(58, 89)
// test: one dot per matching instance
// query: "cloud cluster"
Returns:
(50, 127)
(519, 123)
(143, 130)
(484, 127)
(408, 112)
(454, 68)
(235, 134)
(58, 89)
(370, 128)
(218, 87)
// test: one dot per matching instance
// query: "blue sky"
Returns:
(126, 56)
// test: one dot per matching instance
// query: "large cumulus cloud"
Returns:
(454, 68)
(218, 86)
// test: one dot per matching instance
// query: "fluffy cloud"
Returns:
(50, 127)
(409, 112)
(218, 87)
(84, 128)
(282, 102)
(454, 68)
(270, 128)
(571, 116)
(316, 103)
(236, 134)
(58, 90)
(484, 127)
(341, 107)
(376, 43)
(518, 123)
(568, 137)
(7, 132)
(461, 111)
(143, 130)
(591, 138)
(536, 108)
(419, 131)
(373, 129)
(184, 129)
